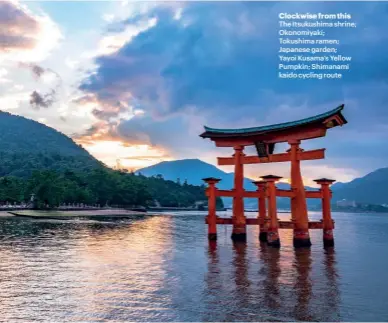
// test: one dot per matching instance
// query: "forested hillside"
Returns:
(22, 135)
(26, 145)
(98, 186)
(36, 159)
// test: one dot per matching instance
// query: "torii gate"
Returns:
(265, 138)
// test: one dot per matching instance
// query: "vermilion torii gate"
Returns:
(264, 139)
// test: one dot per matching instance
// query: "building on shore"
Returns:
(346, 203)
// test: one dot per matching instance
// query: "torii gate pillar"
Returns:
(299, 213)
(262, 216)
(328, 224)
(273, 226)
(239, 221)
(264, 138)
(211, 192)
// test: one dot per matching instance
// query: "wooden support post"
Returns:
(299, 213)
(328, 225)
(273, 226)
(212, 217)
(239, 221)
(262, 216)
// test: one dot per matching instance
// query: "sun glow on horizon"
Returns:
(130, 157)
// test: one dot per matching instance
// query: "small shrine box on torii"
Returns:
(264, 139)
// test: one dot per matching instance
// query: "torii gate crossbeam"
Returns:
(265, 138)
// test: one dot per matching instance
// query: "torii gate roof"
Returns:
(326, 120)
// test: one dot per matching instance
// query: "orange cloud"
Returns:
(131, 157)
(104, 142)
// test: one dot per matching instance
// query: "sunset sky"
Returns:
(136, 81)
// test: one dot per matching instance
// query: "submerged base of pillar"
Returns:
(273, 238)
(274, 243)
(302, 243)
(328, 243)
(239, 236)
(263, 236)
(239, 232)
(212, 236)
(328, 238)
(302, 238)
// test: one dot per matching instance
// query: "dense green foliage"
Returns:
(36, 159)
(24, 136)
(27, 146)
(179, 194)
(24, 164)
(98, 186)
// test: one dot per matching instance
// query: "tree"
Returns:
(47, 187)
(98, 186)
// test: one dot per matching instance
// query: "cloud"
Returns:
(25, 36)
(108, 131)
(216, 64)
(108, 147)
(18, 28)
(37, 70)
(218, 55)
(146, 158)
(214, 55)
(113, 41)
(38, 100)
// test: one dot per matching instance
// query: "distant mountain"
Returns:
(27, 145)
(338, 185)
(371, 189)
(193, 170)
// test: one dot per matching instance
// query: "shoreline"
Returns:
(72, 213)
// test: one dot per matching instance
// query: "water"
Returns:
(162, 268)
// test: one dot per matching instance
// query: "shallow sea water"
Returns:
(162, 268)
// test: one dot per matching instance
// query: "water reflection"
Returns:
(213, 283)
(240, 267)
(281, 286)
(332, 295)
(271, 273)
(302, 285)
(165, 269)
(84, 271)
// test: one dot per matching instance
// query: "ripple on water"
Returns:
(162, 268)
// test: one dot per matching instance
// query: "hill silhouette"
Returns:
(371, 188)
(27, 145)
(193, 170)
(36, 159)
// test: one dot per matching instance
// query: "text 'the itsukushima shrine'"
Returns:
(264, 139)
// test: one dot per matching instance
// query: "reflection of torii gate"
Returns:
(265, 138)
